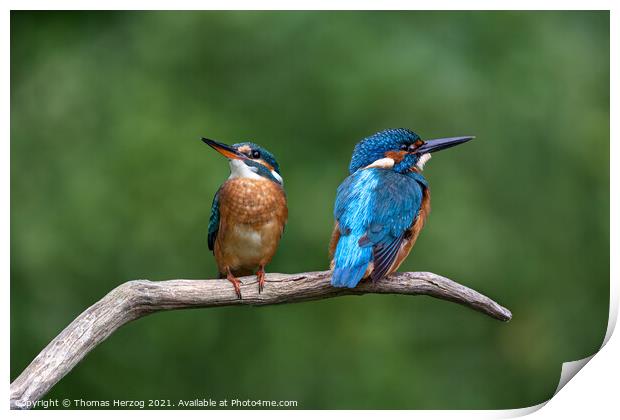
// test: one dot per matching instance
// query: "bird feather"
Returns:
(374, 207)
(214, 220)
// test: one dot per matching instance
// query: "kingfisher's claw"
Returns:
(260, 275)
(236, 283)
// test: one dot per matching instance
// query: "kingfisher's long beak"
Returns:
(436, 145)
(225, 150)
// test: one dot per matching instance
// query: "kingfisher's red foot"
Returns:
(235, 282)
(260, 275)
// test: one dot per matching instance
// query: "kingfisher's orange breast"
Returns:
(253, 213)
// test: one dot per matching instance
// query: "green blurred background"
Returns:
(109, 182)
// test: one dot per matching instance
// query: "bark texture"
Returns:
(137, 298)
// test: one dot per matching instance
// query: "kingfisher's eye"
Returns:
(404, 147)
(255, 154)
(415, 146)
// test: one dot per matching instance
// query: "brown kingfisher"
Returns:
(382, 205)
(248, 213)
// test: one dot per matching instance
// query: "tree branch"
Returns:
(137, 298)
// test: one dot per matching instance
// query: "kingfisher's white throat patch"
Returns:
(422, 161)
(238, 169)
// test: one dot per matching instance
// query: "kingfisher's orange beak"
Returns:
(225, 150)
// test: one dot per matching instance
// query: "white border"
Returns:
(594, 393)
(311, 5)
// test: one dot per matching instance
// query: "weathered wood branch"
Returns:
(135, 299)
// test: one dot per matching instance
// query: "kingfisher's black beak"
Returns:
(436, 145)
(225, 150)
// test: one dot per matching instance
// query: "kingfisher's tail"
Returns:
(350, 262)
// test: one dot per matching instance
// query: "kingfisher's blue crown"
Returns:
(376, 146)
(265, 154)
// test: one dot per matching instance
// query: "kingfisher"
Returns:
(248, 213)
(382, 205)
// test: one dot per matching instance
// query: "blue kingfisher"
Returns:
(382, 205)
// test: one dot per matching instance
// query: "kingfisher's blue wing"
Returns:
(214, 220)
(374, 208)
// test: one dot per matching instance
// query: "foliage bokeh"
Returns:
(109, 182)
